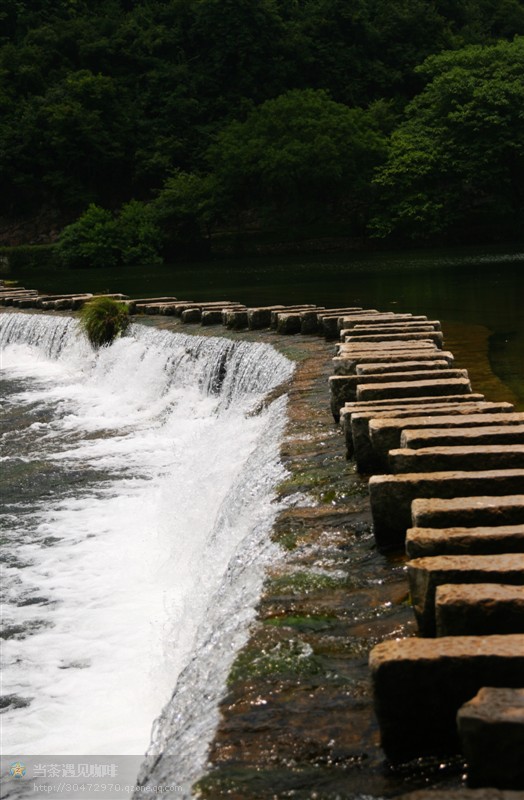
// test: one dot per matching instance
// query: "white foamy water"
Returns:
(139, 489)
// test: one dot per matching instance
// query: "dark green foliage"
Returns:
(100, 239)
(301, 157)
(155, 99)
(457, 161)
(91, 241)
(103, 319)
(31, 256)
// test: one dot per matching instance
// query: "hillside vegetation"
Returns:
(157, 125)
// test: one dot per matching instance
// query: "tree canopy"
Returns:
(458, 157)
(282, 108)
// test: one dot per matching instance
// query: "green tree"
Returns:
(301, 157)
(457, 160)
(185, 210)
(138, 235)
(91, 241)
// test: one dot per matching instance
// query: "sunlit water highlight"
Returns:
(139, 493)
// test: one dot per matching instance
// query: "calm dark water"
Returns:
(478, 294)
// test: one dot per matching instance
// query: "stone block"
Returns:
(479, 609)
(468, 511)
(394, 327)
(352, 382)
(392, 495)
(427, 336)
(461, 541)
(510, 432)
(422, 388)
(192, 315)
(338, 401)
(386, 434)
(376, 317)
(384, 348)
(426, 574)
(429, 459)
(234, 320)
(491, 731)
(288, 310)
(258, 318)
(428, 364)
(328, 320)
(420, 684)
(349, 364)
(356, 425)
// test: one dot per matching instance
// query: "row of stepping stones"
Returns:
(304, 319)
(450, 490)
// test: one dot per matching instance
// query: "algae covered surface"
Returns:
(297, 720)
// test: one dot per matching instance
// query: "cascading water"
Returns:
(139, 493)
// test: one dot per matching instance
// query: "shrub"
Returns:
(103, 319)
(91, 241)
(98, 239)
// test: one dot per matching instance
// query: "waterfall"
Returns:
(139, 495)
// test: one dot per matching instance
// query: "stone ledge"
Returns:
(491, 729)
(426, 574)
(392, 495)
(468, 511)
(424, 542)
(420, 684)
(471, 457)
(479, 609)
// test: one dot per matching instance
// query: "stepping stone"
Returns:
(491, 731)
(479, 609)
(425, 574)
(428, 336)
(372, 443)
(402, 366)
(340, 387)
(407, 402)
(136, 304)
(214, 316)
(459, 541)
(194, 315)
(386, 434)
(421, 388)
(376, 317)
(349, 364)
(312, 322)
(258, 318)
(289, 310)
(352, 382)
(328, 321)
(508, 433)
(26, 302)
(234, 320)
(288, 322)
(429, 459)
(378, 349)
(468, 511)
(392, 495)
(398, 327)
(420, 684)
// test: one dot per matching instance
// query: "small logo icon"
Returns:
(17, 769)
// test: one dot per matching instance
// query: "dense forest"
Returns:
(150, 127)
